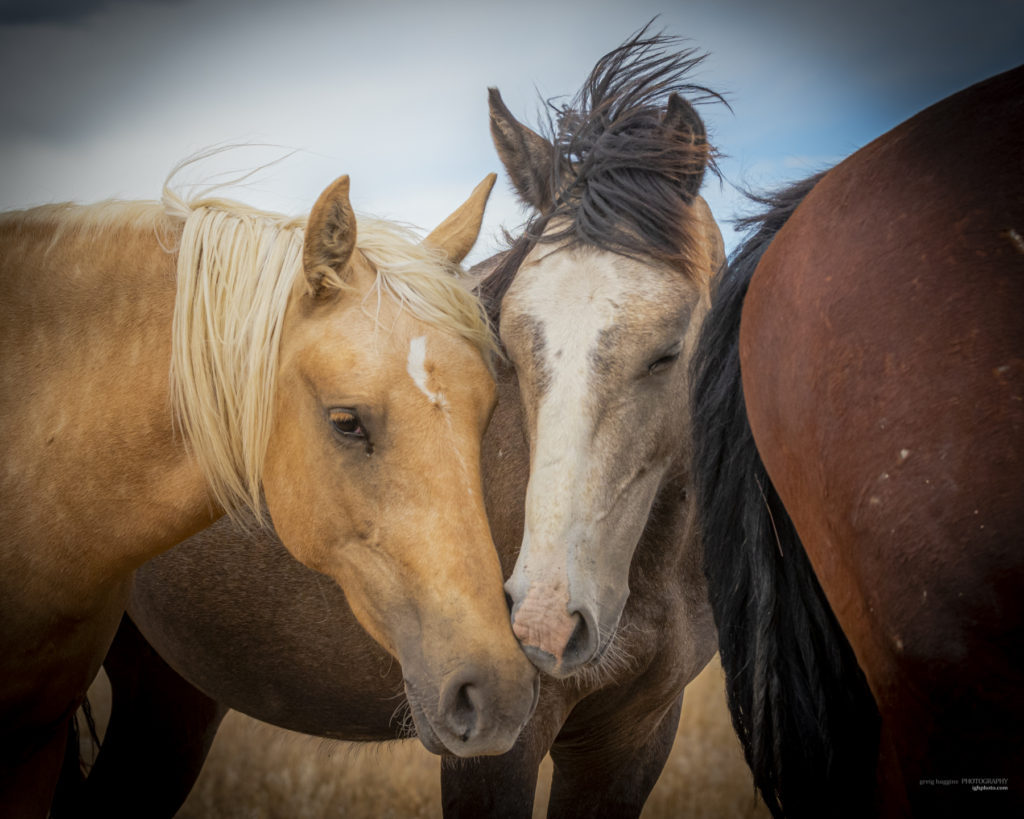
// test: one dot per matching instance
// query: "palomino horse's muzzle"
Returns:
(478, 712)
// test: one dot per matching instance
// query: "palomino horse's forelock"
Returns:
(229, 319)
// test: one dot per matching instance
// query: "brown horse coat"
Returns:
(900, 365)
(867, 578)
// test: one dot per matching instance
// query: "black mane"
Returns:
(799, 701)
(622, 179)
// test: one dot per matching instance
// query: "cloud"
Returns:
(109, 95)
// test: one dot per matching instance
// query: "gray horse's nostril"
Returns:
(562, 659)
(582, 644)
(578, 639)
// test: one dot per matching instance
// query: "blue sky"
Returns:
(103, 98)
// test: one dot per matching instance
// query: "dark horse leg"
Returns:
(151, 753)
(607, 758)
(27, 779)
(503, 787)
(602, 772)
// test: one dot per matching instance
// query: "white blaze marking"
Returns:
(574, 298)
(416, 367)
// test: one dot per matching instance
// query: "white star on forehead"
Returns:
(416, 367)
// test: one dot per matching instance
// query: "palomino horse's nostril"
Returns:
(463, 701)
(464, 712)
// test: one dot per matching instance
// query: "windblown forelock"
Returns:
(616, 176)
(618, 169)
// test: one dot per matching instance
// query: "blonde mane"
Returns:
(236, 271)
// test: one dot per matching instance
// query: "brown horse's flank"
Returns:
(863, 527)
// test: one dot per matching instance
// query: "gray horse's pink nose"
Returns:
(557, 637)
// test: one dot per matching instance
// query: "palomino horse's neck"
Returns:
(85, 325)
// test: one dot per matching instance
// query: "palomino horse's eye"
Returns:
(346, 423)
(662, 363)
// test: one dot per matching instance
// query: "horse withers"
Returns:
(599, 319)
(339, 372)
(867, 577)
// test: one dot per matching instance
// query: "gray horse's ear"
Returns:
(684, 123)
(527, 156)
(330, 235)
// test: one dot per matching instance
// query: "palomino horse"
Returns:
(871, 612)
(600, 310)
(344, 381)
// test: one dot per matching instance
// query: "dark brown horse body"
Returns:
(881, 351)
(623, 638)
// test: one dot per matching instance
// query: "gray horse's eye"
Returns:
(662, 363)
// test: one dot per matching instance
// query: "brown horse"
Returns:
(344, 381)
(600, 304)
(868, 578)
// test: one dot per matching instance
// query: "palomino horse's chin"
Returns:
(427, 736)
(464, 723)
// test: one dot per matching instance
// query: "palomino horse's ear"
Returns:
(682, 119)
(527, 156)
(457, 234)
(330, 235)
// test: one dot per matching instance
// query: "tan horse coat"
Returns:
(97, 478)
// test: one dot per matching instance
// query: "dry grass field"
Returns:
(257, 771)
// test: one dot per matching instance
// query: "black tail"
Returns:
(799, 701)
